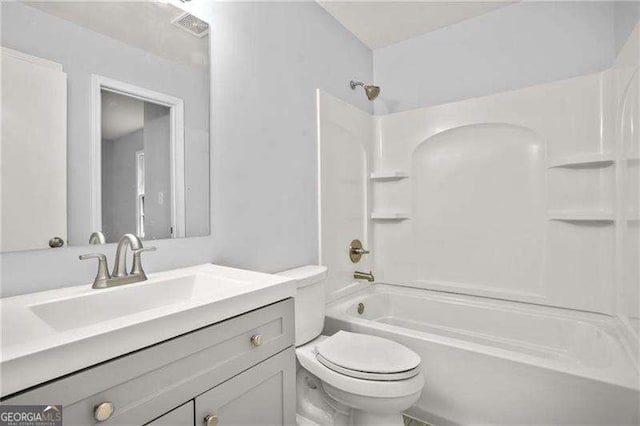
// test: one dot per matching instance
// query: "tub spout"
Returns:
(364, 276)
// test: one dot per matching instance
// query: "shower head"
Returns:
(371, 91)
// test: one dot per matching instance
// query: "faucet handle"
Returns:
(136, 269)
(356, 251)
(103, 269)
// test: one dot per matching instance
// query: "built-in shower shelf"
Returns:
(388, 175)
(581, 161)
(389, 216)
(581, 215)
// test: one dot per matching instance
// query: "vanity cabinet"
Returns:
(240, 371)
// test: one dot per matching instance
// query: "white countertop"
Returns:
(41, 340)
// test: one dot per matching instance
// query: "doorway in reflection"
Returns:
(136, 179)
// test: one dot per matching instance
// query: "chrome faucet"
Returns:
(120, 275)
(120, 265)
(364, 276)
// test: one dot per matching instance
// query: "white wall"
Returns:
(626, 104)
(489, 216)
(519, 45)
(267, 61)
(345, 140)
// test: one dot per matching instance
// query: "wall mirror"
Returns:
(105, 123)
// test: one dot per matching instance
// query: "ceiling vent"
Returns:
(192, 25)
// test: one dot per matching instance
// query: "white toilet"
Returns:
(348, 378)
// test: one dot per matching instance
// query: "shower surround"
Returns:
(496, 206)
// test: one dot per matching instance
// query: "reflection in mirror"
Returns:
(108, 130)
(136, 155)
(97, 238)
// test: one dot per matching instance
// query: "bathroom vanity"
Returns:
(239, 356)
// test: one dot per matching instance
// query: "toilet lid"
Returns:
(367, 357)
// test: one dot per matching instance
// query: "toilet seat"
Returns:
(367, 357)
(307, 357)
(367, 375)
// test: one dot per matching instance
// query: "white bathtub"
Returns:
(494, 362)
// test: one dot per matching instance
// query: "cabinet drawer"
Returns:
(146, 383)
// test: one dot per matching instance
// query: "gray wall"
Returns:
(157, 175)
(270, 58)
(119, 184)
(82, 53)
(267, 61)
(519, 45)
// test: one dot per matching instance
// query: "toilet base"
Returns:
(316, 407)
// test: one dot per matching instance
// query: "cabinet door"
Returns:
(181, 416)
(263, 395)
(33, 176)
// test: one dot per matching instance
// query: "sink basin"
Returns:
(108, 304)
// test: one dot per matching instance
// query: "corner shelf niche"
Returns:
(579, 161)
(388, 175)
(389, 216)
(581, 215)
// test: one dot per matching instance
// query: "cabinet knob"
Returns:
(211, 420)
(56, 242)
(103, 411)
(256, 339)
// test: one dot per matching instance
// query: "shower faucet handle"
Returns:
(356, 251)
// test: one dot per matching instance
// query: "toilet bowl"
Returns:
(377, 399)
(348, 378)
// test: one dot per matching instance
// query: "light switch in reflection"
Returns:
(161, 198)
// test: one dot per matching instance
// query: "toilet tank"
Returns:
(309, 301)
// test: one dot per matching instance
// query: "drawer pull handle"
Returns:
(103, 412)
(256, 339)
(211, 420)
